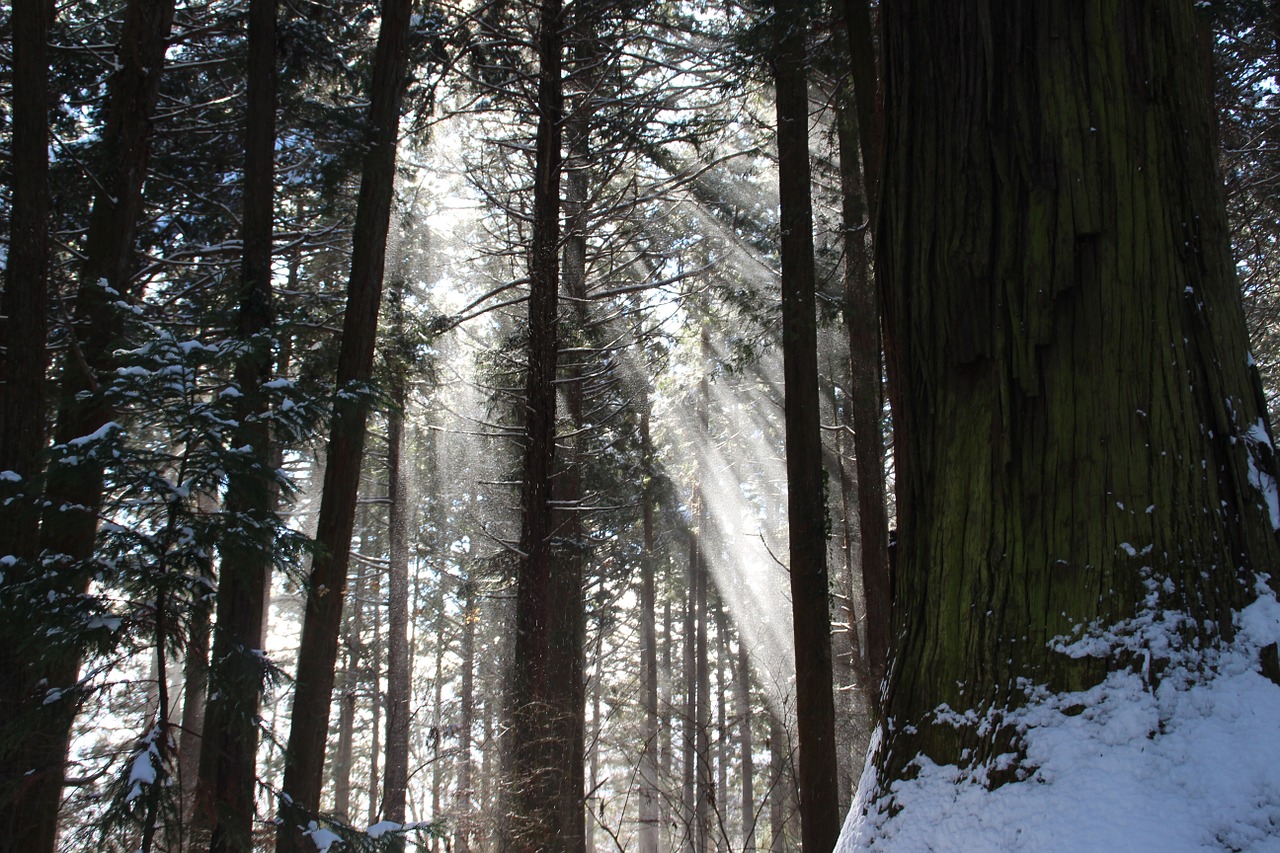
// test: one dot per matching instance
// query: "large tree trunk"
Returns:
(227, 782)
(541, 787)
(806, 508)
(326, 587)
(25, 305)
(22, 431)
(32, 774)
(1068, 358)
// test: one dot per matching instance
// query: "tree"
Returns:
(45, 691)
(229, 745)
(547, 800)
(806, 499)
(1080, 443)
(22, 388)
(859, 177)
(326, 588)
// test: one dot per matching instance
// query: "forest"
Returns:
(689, 425)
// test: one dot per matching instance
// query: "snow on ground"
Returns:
(1192, 766)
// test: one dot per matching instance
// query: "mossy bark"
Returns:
(1077, 432)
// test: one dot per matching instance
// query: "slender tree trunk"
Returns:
(806, 508)
(666, 700)
(437, 727)
(318, 649)
(689, 764)
(702, 675)
(195, 692)
(32, 773)
(344, 750)
(375, 699)
(227, 780)
(470, 616)
(745, 748)
(649, 790)
(780, 787)
(1068, 359)
(399, 667)
(866, 402)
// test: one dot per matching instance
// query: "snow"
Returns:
(322, 838)
(143, 769)
(1192, 764)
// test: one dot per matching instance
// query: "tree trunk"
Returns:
(28, 808)
(1068, 359)
(689, 724)
(227, 784)
(745, 748)
(702, 675)
(375, 699)
(25, 303)
(399, 669)
(344, 749)
(649, 791)
(195, 693)
(866, 402)
(806, 508)
(470, 616)
(73, 493)
(318, 649)
(780, 787)
(546, 795)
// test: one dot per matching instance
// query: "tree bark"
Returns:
(1068, 358)
(227, 783)
(806, 507)
(326, 587)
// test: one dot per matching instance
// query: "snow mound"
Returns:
(1191, 765)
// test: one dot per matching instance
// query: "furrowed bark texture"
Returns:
(1078, 435)
(228, 759)
(318, 649)
(73, 493)
(539, 817)
(806, 506)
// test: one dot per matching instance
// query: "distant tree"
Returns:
(1079, 439)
